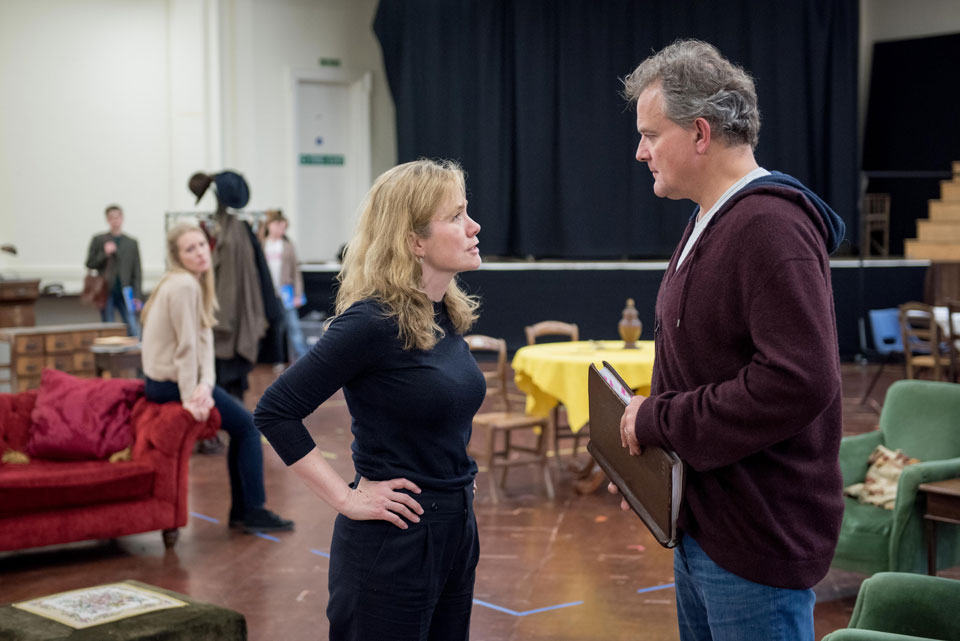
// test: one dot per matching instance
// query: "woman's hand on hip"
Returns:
(381, 500)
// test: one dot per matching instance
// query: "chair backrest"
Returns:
(876, 206)
(497, 377)
(953, 336)
(885, 328)
(551, 328)
(922, 418)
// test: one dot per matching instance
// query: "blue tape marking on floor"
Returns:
(525, 613)
(319, 553)
(267, 537)
(204, 517)
(656, 587)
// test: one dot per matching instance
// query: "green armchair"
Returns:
(922, 418)
(896, 606)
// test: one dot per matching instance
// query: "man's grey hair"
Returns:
(697, 82)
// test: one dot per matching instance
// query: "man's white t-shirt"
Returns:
(701, 224)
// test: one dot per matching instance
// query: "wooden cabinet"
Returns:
(25, 351)
(17, 298)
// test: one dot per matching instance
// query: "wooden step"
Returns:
(950, 190)
(956, 168)
(931, 250)
(939, 231)
(943, 209)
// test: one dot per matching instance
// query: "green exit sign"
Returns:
(321, 159)
(329, 62)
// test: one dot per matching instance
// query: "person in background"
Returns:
(178, 365)
(287, 278)
(116, 257)
(746, 383)
(404, 551)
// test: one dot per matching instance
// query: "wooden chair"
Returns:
(923, 347)
(876, 218)
(507, 418)
(570, 331)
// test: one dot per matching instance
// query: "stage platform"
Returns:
(593, 294)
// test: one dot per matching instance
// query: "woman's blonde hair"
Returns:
(380, 263)
(174, 265)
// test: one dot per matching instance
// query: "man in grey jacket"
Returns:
(116, 257)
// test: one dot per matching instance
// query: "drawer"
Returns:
(84, 360)
(62, 362)
(113, 332)
(17, 315)
(83, 340)
(19, 290)
(27, 382)
(29, 366)
(56, 343)
(30, 344)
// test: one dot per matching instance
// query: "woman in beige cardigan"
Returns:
(178, 322)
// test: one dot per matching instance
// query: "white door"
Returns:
(323, 143)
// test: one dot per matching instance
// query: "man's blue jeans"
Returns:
(244, 454)
(716, 605)
(115, 303)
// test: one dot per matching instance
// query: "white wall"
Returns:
(899, 20)
(264, 42)
(107, 101)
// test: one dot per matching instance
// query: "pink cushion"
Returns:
(49, 485)
(76, 419)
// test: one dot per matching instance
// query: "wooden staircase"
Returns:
(938, 237)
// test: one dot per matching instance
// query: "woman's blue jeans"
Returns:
(716, 605)
(244, 454)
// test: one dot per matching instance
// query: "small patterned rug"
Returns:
(100, 604)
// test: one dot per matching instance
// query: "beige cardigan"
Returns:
(175, 346)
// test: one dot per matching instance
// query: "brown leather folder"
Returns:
(651, 483)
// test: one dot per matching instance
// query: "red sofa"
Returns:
(47, 502)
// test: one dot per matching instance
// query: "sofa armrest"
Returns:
(854, 452)
(908, 604)
(852, 634)
(164, 435)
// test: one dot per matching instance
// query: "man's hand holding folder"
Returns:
(628, 430)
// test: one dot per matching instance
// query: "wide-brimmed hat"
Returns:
(232, 189)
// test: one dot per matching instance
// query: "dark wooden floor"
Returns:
(572, 569)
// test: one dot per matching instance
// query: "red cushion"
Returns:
(49, 485)
(77, 419)
(15, 420)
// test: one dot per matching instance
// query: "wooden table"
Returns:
(943, 506)
(553, 373)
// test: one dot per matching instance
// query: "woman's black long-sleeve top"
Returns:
(412, 410)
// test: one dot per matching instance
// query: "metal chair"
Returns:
(887, 342)
(506, 420)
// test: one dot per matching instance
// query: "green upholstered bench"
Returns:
(196, 621)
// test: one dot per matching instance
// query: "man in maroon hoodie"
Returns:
(746, 384)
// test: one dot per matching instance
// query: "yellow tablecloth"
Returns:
(552, 372)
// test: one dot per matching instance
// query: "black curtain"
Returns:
(525, 94)
(912, 131)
